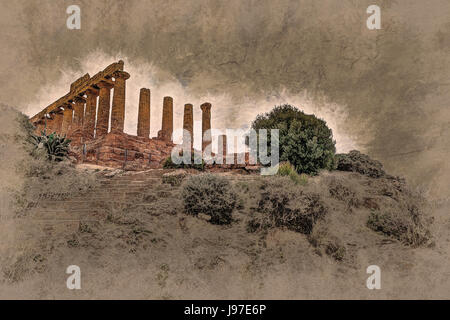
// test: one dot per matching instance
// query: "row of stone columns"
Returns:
(80, 118)
(79, 123)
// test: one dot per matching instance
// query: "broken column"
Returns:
(188, 125)
(89, 117)
(143, 126)
(67, 119)
(206, 125)
(167, 120)
(103, 108)
(118, 104)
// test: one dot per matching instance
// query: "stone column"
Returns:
(89, 117)
(50, 124)
(206, 125)
(222, 147)
(78, 113)
(67, 119)
(39, 127)
(118, 104)
(188, 123)
(77, 122)
(143, 126)
(167, 120)
(57, 122)
(103, 109)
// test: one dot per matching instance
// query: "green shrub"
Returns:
(169, 164)
(285, 204)
(55, 146)
(211, 195)
(305, 141)
(286, 169)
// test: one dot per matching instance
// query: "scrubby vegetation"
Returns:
(45, 180)
(409, 227)
(285, 204)
(174, 178)
(302, 226)
(47, 171)
(356, 161)
(305, 141)
(210, 195)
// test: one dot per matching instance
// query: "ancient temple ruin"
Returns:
(84, 115)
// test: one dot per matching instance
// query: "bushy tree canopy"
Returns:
(305, 140)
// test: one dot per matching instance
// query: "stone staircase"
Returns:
(65, 215)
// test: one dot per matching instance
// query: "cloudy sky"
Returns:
(385, 92)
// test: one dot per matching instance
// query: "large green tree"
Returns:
(305, 140)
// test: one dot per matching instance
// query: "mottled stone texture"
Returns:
(167, 120)
(78, 112)
(67, 119)
(39, 127)
(76, 117)
(89, 116)
(56, 122)
(76, 134)
(143, 126)
(121, 150)
(50, 125)
(79, 88)
(188, 124)
(206, 124)
(103, 109)
(118, 104)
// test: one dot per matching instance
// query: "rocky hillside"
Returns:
(132, 238)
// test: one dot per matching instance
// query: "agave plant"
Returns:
(57, 147)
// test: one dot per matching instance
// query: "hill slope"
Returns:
(131, 238)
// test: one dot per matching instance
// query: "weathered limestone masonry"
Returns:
(118, 105)
(206, 125)
(67, 118)
(90, 113)
(167, 120)
(78, 116)
(188, 125)
(103, 108)
(143, 129)
(76, 131)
